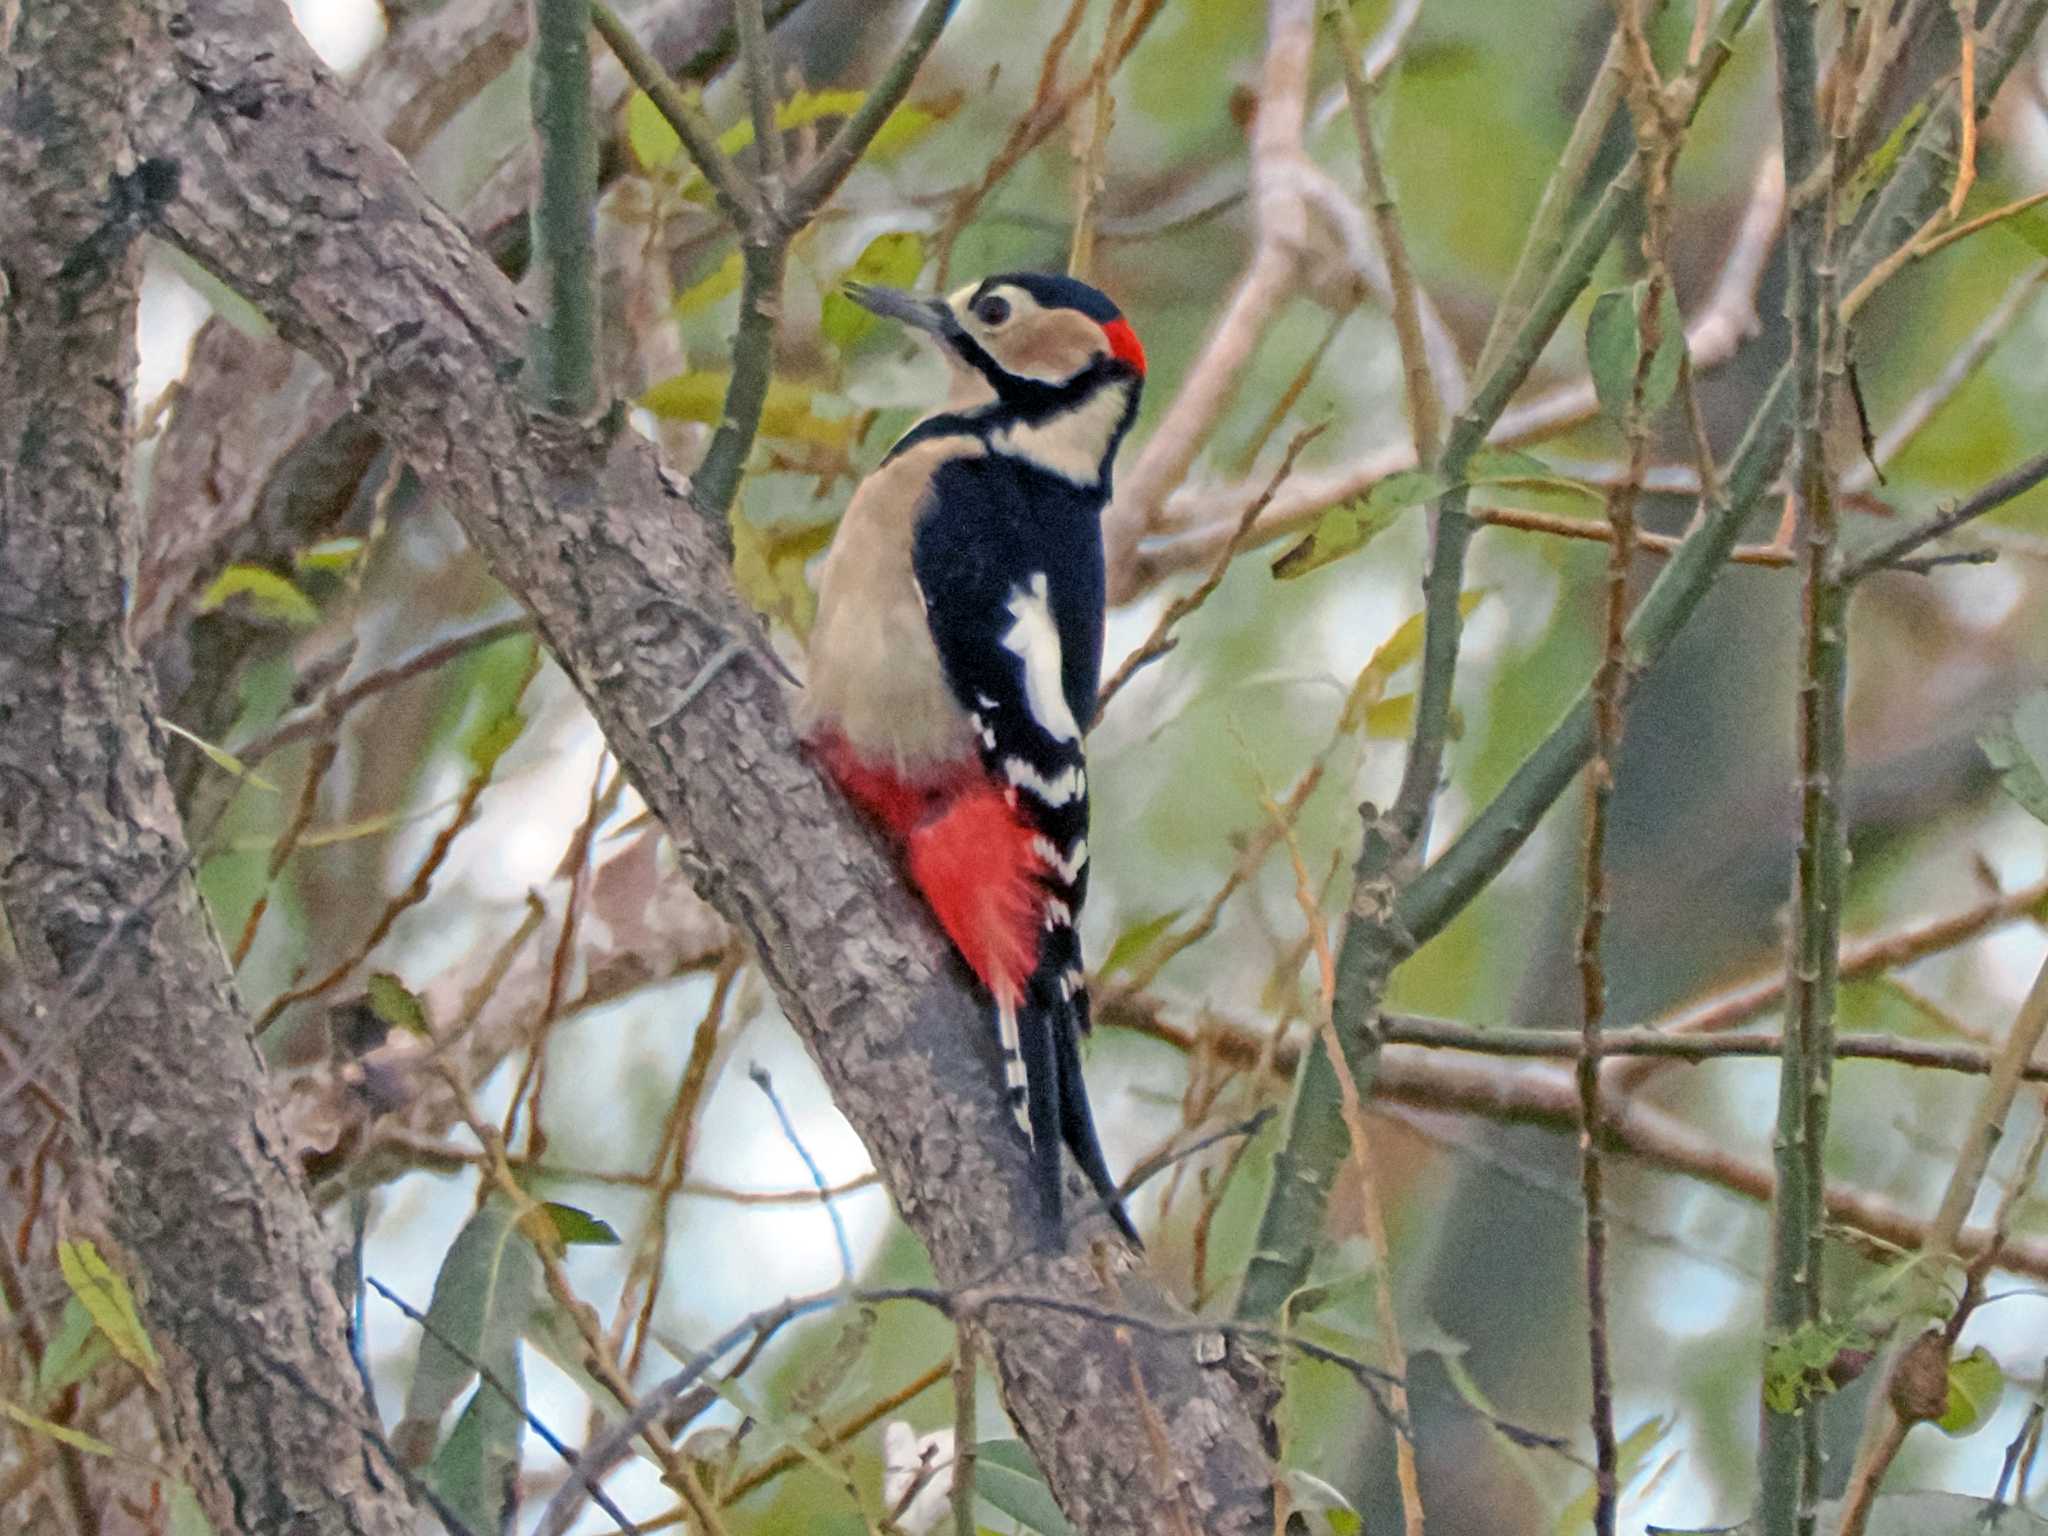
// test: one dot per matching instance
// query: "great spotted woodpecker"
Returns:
(956, 652)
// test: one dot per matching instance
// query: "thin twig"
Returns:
(758, 1076)
(700, 140)
(1088, 165)
(1424, 412)
(822, 178)
(416, 888)
(516, 1400)
(760, 81)
(1353, 1111)
(1883, 1432)
(1892, 552)
(1913, 417)
(963, 1430)
(328, 715)
(1162, 640)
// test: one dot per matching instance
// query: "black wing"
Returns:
(1009, 560)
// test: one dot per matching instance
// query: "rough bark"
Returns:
(128, 1002)
(294, 203)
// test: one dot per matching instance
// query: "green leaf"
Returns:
(1400, 648)
(700, 396)
(1797, 1364)
(900, 129)
(1137, 939)
(77, 1439)
(1871, 174)
(107, 1297)
(1390, 718)
(1975, 1384)
(476, 1471)
(270, 596)
(330, 555)
(187, 1518)
(2012, 746)
(891, 260)
(73, 1352)
(1349, 527)
(220, 757)
(397, 1005)
(1631, 1455)
(1516, 470)
(574, 1226)
(487, 1294)
(1007, 1477)
(654, 143)
(1614, 346)
(768, 567)
(700, 296)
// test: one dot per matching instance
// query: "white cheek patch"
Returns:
(1035, 640)
(1072, 444)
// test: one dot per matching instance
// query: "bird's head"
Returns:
(1021, 331)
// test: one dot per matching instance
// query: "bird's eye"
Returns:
(992, 310)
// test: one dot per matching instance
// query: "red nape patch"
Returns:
(976, 868)
(1123, 343)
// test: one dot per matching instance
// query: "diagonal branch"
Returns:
(583, 527)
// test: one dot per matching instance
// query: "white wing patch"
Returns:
(1035, 640)
(1068, 784)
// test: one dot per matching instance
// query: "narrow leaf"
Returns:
(397, 1005)
(269, 595)
(574, 1226)
(107, 1297)
(1137, 939)
(77, 1439)
(1007, 1477)
(476, 1471)
(1612, 346)
(2006, 746)
(73, 1352)
(220, 757)
(484, 1298)
(187, 1518)
(654, 143)
(700, 296)
(700, 396)
(1349, 527)
(330, 555)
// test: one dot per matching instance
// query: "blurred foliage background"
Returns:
(430, 874)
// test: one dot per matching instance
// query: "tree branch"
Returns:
(631, 597)
(124, 980)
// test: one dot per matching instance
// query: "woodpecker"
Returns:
(956, 653)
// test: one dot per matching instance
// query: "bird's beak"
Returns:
(923, 314)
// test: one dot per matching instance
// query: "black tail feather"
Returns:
(1049, 1030)
(1077, 1123)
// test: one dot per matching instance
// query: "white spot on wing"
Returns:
(1035, 640)
(1067, 784)
(1068, 869)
